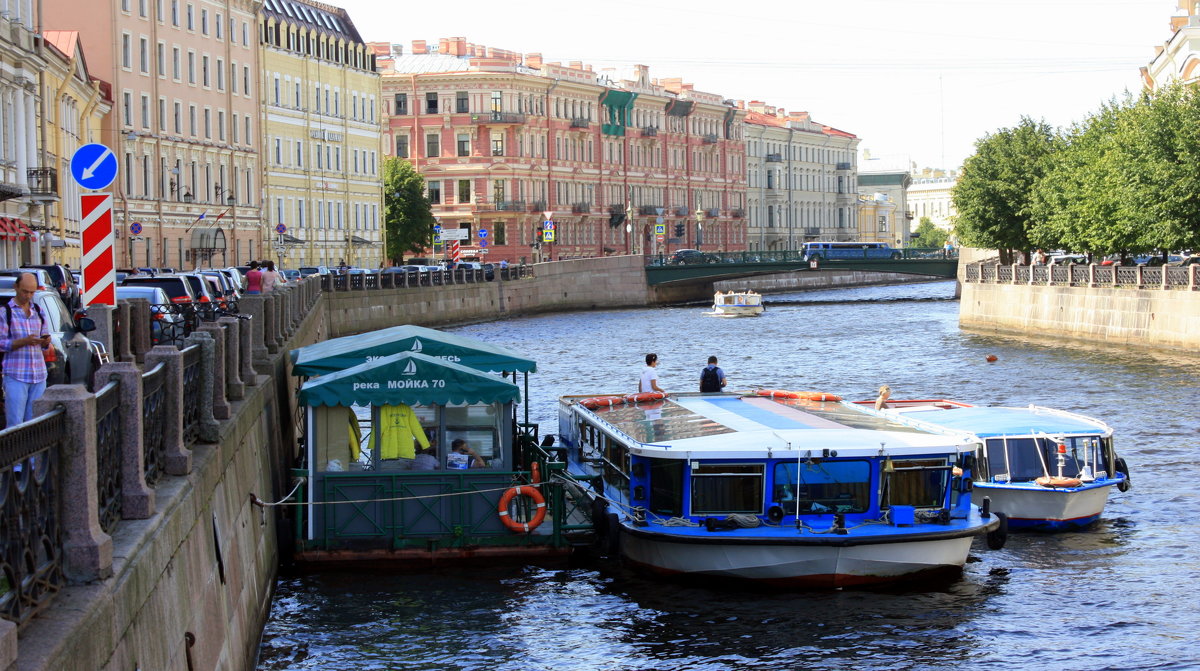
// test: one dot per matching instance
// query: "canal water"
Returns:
(1118, 596)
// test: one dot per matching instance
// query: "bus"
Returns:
(820, 251)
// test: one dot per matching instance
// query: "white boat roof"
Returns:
(742, 426)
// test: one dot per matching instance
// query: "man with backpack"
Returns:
(23, 337)
(712, 378)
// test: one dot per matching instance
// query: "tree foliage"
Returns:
(928, 235)
(407, 214)
(993, 196)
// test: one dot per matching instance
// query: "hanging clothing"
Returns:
(395, 430)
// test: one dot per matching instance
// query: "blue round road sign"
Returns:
(482, 233)
(281, 229)
(483, 243)
(437, 228)
(94, 166)
(135, 228)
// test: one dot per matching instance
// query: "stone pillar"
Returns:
(209, 431)
(139, 327)
(178, 456)
(8, 644)
(220, 404)
(256, 307)
(137, 499)
(1192, 276)
(1091, 274)
(125, 342)
(87, 550)
(246, 353)
(103, 316)
(270, 324)
(234, 388)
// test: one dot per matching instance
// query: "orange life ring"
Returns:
(645, 396)
(1058, 481)
(522, 527)
(535, 473)
(818, 396)
(601, 402)
(778, 393)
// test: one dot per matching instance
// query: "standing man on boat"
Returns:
(712, 378)
(650, 375)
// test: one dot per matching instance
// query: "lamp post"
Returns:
(629, 247)
(699, 227)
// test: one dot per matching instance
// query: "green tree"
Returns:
(407, 215)
(993, 196)
(929, 236)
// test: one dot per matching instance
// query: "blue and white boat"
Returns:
(1047, 470)
(774, 487)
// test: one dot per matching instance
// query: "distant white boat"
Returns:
(737, 304)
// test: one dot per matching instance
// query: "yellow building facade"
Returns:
(321, 137)
(73, 110)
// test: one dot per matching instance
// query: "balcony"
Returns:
(537, 206)
(774, 158)
(711, 138)
(510, 206)
(712, 212)
(648, 209)
(649, 131)
(812, 230)
(497, 118)
(681, 212)
(581, 208)
(43, 184)
(843, 166)
(580, 123)
(737, 214)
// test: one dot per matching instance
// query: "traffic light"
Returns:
(679, 230)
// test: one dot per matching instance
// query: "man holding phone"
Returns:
(23, 337)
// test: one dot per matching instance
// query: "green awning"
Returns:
(342, 353)
(408, 378)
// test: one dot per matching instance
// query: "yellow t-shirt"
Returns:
(394, 433)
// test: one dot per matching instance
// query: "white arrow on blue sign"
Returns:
(548, 225)
(482, 233)
(94, 166)
(437, 228)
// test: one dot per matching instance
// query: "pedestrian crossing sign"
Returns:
(548, 235)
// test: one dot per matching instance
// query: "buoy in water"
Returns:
(990, 358)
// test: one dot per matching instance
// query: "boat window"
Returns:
(666, 487)
(476, 424)
(920, 483)
(823, 486)
(616, 462)
(1025, 459)
(727, 488)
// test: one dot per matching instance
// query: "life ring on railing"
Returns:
(778, 393)
(645, 396)
(802, 395)
(1058, 481)
(522, 527)
(601, 402)
(535, 473)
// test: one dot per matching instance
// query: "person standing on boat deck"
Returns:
(650, 375)
(712, 378)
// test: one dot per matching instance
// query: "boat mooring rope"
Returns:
(285, 502)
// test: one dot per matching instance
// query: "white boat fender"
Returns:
(997, 537)
(1123, 469)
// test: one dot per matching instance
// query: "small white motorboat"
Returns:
(737, 304)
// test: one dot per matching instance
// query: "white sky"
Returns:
(888, 71)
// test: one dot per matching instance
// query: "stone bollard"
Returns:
(125, 342)
(270, 324)
(137, 499)
(281, 318)
(87, 550)
(139, 327)
(103, 316)
(220, 404)
(256, 307)
(246, 353)
(209, 431)
(234, 388)
(178, 456)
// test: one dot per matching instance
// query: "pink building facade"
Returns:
(503, 139)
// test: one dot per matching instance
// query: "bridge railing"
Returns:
(1138, 277)
(796, 256)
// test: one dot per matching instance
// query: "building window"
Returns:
(461, 105)
(464, 144)
(402, 146)
(883, 224)
(144, 56)
(217, 24)
(204, 71)
(191, 67)
(432, 146)
(464, 191)
(203, 21)
(145, 111)
(497, 102)
(435, 192)
(125, 39)
(401, 104)
(175, 13)
(431, 103)
(191, 17)
(127, 108)
(498, 191)
(178, 118)
(175, 63)
(497, 145)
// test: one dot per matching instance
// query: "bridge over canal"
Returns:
(731, 265)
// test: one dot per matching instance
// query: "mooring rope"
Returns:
(285, 502)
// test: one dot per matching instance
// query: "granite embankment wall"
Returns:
(825, 279)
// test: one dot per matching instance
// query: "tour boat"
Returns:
(776, 487)
(1047, 470)
(737, 304)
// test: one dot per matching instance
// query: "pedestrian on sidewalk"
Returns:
(24, 337)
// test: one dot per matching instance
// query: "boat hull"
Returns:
(810, 566)
(1032, 507)
(737, 310)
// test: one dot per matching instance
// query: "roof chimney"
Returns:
(418, 47)
(443, 45)
(534, 61)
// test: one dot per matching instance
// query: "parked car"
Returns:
(178, 290)
(62, 282)
(77, 356)
(167, 325)
(489, 271)
(290, 274)
(689, 256)
(1067, 259)
(305, 271)
(44, 281)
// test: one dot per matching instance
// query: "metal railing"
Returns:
(154, 418)
(109, 437)
(31, 544)
(581, 208)
(498, 117)
(1139, 277)
(648, 209)
(191, 400)
(421, 278)
(794, 256)
(710, 138)
(649, 131)
(774, 158)
(580, 123)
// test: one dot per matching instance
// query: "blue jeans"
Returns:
(19, 398)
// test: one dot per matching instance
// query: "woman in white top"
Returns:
(649, 380)
(271, 277)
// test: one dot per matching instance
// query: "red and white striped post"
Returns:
(99, 264)
(455, 251)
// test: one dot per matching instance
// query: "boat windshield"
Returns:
(1026, 459)
(819, 487)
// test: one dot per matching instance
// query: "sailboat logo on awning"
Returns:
(416, 346)
(411, 368)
